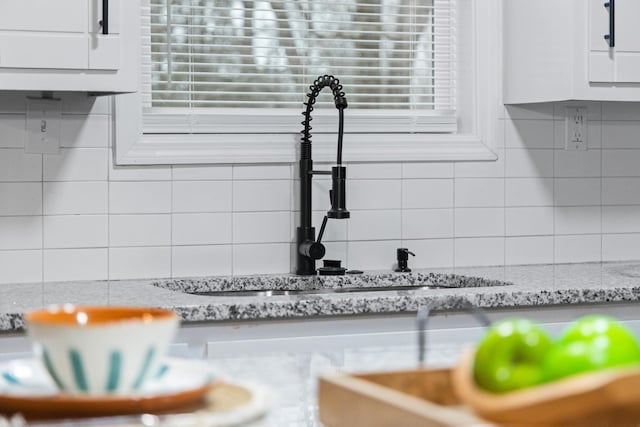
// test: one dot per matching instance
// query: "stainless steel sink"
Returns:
(276, 292)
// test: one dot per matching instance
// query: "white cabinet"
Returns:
(619, 63)
(60, 46)
(556, 51)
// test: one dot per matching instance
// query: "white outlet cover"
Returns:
(576, 128)
(44, 118)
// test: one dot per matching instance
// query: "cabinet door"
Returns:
(44, 34)
(621, 63)
(627, 50)
(104, 49)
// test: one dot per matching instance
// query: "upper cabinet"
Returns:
(560, 50)
(68, 45)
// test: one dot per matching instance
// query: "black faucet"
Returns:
(308, 248)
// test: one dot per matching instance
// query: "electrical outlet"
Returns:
(575, 128)
(44, 116)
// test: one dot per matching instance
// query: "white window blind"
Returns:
(218, 66)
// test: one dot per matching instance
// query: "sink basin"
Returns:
(252, 286)
(275, 292)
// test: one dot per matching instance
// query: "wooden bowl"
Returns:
(603, 398)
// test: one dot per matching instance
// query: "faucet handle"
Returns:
(311, 249)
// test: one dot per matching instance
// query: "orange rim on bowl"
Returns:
(70, 315)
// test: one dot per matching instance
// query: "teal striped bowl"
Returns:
(101, 350)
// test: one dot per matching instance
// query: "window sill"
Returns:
(283, 148)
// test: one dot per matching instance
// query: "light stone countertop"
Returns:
(487, 287)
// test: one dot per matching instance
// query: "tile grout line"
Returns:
(232, 222)
(601, 185)
(171, 215)
(553, 162)
(42, 217)
(504, 183)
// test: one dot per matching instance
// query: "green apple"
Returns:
(510, 355)
(591, 343)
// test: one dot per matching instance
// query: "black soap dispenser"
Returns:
(402, 255)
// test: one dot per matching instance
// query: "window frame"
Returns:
(478, 106)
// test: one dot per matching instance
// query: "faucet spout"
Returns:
(308, 249)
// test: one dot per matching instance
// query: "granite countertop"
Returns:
(447, 289)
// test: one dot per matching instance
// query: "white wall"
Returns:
(74, 216)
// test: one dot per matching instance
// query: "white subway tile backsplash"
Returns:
(528, 192)
(578, 220)
(489, 169)
(479, 251)
(621, 191)
(139, 230)
(620, 111)
(376, 225)
(479, 222)
(577, 191)
(16, 165)
(261, 227)
(373, 255)
(536, 203)
(620, 134)
(201, 229)
(76, 231)
(80, 103)
(529, 221)
(13, 102)
(139, 262)
(82, 131)
(620, 247)
(388, 194)
(577, 164)
(581, 248)
(75, 264)
(427, 223)
(76, 164)
(201, 196)
(529, 250)
(430, 253)
(529, 134)
(201, 173)
(427, 170)
(21, 266)
(336, 229)
(621, 219)
(139, 197)
(138, 173)
(620, 163)
(479, 192)
(193, 261)
(334, 251)
(20, 232)
(373, 170)
(21, 198)
(425, 193)
(319, 194)
(62, 198)
(12, 130)
(269, 195)
(520, 163)
(272, 258)
(246, 172)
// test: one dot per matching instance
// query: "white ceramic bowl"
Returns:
(101, 350)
